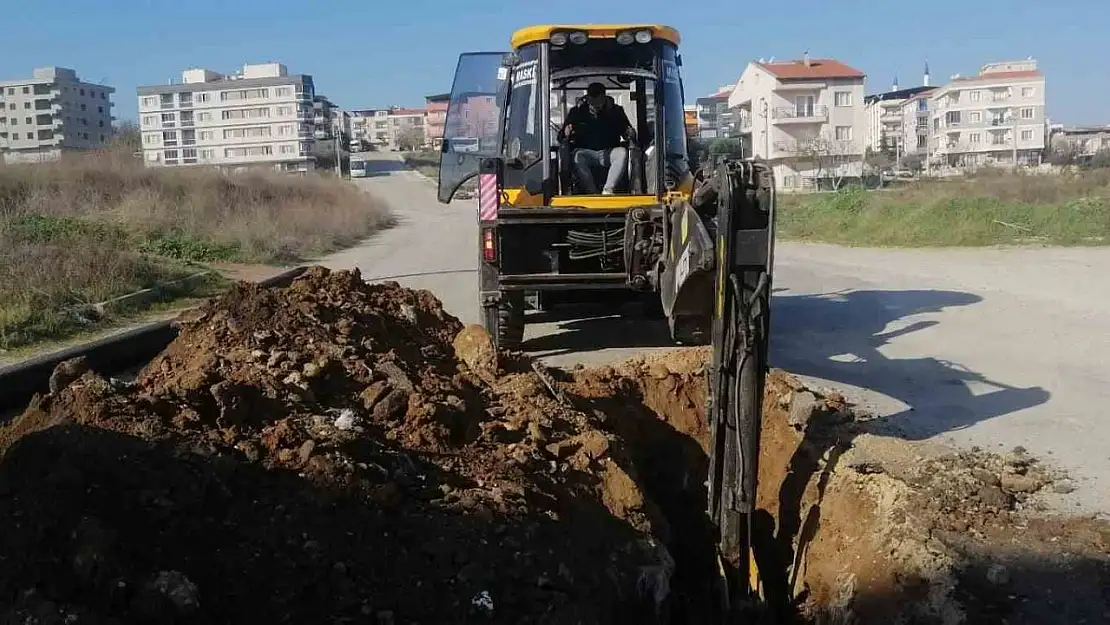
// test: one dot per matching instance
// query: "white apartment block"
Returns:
(261, 115)
(886, 119)
(916, 124)
(381, 128)
(996, 117)
(804, 117)
(52, 112)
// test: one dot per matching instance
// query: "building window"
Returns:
(170, 157)
(169, 137)
(204, 116)
(284, 92)
(150, 101)
(288, 148)
(975, 116)
(245, 133)
(169, 120)
(1027, 113)
(151, 138)
(100, 109)
(203, 97)
(207, 155)
(246, 113)
(843, 133)
(952, 118)
(27, 105)
(149, 120)
(189, 153)
(284, 110)
(922, 142)
(1026, 135)
(975, 137)
(31, 135)
(257, 150)
(285, 130)
(244, 94)
(27, 90)
(206, 135)
(974, 96)
(1027, 92)
(842, 98)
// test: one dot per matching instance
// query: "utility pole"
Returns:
(336, 131)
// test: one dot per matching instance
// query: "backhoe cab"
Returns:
(700, 244)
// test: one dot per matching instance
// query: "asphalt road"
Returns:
(989, 348)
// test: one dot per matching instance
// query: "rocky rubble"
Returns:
(332, 452)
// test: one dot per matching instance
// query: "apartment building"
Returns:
(51, 112)
(805, 117)
(1080, 143)
(436, 119)
(370, 127)
(260, 115)
(331, 130)
(916, 114)
(386, 128)
(996, 117)
(713, 114)
(885, 119)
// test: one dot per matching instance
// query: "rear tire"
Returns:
(505, 322)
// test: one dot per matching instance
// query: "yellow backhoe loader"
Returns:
(698, 242)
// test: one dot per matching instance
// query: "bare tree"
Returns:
(126, 136)
(410, 139)
(829, 158)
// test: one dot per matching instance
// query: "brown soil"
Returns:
(855, 528)
(337, 452)
(320, 454)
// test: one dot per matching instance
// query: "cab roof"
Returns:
(534, 34)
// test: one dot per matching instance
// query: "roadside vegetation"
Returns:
(96, 227)
(425, 162)
(987, 208)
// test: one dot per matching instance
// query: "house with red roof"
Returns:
(805, 117)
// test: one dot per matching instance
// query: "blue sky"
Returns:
(377, 52)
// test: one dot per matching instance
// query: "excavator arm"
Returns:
(732, 256)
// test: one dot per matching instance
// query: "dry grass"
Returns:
(989, 208)
(98, 226)
(426, 163)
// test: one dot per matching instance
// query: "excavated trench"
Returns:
(851, 527)
(352, 453)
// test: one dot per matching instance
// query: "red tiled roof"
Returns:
(817, 68)
(1001, 76)
(407, 112)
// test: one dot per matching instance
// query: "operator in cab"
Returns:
(595, 128)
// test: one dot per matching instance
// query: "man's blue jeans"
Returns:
(616, 159)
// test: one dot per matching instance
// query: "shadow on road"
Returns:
(384, 167)
(837, 337)
(584, 329)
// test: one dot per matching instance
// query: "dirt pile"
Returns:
(856, 528)
(333, 452)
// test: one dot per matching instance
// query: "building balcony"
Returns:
(890, 117)
(788, 114)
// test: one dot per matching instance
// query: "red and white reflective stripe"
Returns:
(488, 197)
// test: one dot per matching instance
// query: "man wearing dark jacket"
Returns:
(595, 128)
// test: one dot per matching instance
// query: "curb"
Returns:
(20, 382)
